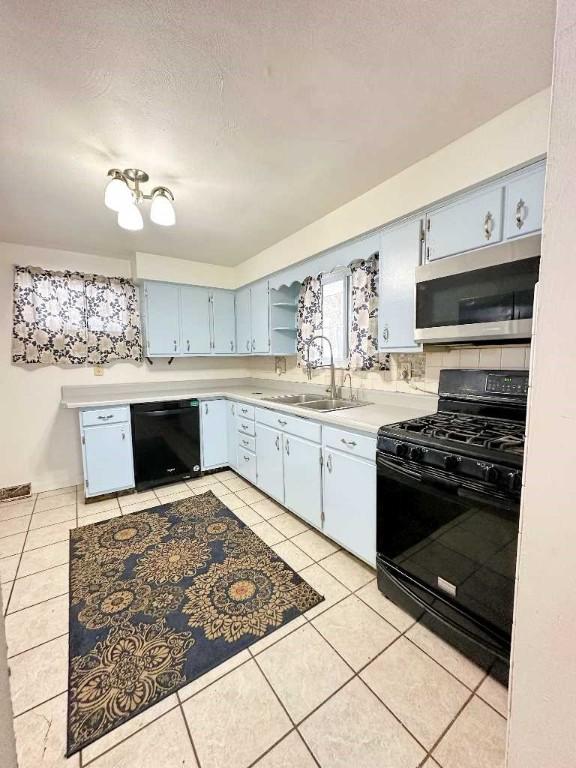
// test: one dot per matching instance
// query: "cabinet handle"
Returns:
(244, 426)
(244, 410)
(351, 443)
(287, 447)
(253, 345)
(175, 345)
(206, 408)
(282, 422)
(246, 443)
(520, 213)
(105, 418)
(246, 458)
(329, 462)
(231, 345)
(385, 333)
(187, 345)
(488, 225)
(233, 408)
(247, 345)
(277, 442)
(123, 436)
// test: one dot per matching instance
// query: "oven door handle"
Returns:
(169, 412)
(420, 477)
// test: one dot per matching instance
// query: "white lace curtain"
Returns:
(68, 318)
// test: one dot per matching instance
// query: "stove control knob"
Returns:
(450, 463)
(417, 454)
(514, 481)
(490, 474)
(401, 450)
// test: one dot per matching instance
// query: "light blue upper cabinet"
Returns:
(269, 461)
(472, 221)
(399, 256)
(214, 433)
(223, 322)
(524, 203)
(260, 301)
(162, 319)
(303, 478)
(195, 320)
(243, 321)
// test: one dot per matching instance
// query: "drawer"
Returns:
(245, 411)
(246, 443)
(350, 442)
(245, 426)
(111, 415)
(247, 465)
(293, 425)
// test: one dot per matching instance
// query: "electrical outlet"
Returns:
(280, 365)
(98, 370)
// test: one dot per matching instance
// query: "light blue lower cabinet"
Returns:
(232, 434)
(214, 433)
(107, 458)
(349, 496)
(303, 478)
(269, 461)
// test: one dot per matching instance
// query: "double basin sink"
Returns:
(315, 402)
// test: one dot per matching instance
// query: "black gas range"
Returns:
(448, 501)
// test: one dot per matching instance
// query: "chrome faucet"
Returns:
(333, 391)
(349, 377)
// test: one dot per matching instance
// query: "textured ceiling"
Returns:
(261, 116)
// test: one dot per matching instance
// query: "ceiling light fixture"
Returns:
(123, 195)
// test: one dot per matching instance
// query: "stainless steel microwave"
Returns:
(481, 295)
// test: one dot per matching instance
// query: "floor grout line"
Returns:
(20, 558)
(39, 645)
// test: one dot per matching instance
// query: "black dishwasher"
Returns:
(166, 442)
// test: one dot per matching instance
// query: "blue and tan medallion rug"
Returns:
(158, 598)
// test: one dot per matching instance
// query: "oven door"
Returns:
(450, 548)
(487, 301)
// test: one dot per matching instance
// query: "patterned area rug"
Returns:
(158, 598)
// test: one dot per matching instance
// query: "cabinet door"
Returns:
(260, 318)
(232, 434)
(303, 479)
(524, 204)
(350, 503)
(195, 320)
(243, 321)
(269, 461)
(214, 431)
(162, 320)
(108, 461)
(471, 222)
(399, 257)
(223, 323)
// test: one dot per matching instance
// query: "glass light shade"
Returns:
(117, 195)
(129, 217)
(162, 211)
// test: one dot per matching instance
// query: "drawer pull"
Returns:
(282, 422)
(246, 443)
(105, 418)
(246, 458)
(244, 426)
(351, 443)
(244, 410)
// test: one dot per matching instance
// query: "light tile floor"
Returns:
(353, 682)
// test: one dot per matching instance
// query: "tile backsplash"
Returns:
(425, 367)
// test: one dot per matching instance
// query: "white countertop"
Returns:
(389, 408)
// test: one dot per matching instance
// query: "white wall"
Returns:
(40, 441)
(151, 266)
(543, 694)
(511, 139)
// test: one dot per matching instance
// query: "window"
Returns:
(335, 316)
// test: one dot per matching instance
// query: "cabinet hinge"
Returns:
(86, 483)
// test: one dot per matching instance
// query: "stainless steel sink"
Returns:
(293, 399)
(333, 405)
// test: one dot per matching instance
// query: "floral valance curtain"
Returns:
(68, 318)
(309, 321)
(363, 342)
